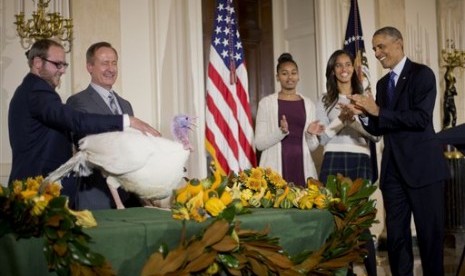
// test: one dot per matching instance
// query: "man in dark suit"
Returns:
(413, 167)
(40, 124)
(102, 65)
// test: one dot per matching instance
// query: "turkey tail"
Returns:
(77, 164)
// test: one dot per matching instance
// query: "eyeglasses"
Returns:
(58, 65)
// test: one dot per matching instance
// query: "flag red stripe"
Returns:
(222, 125)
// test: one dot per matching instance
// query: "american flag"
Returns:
(229, 131)
(354, 43)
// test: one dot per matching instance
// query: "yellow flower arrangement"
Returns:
(224, 248)
(26, 213)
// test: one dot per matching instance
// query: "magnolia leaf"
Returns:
(363, 193)
(173, 261)
(262, 244)
(229, 213)
(257, 267)
(104, 270)
(60, 248)
(234, 272)
(341, 262)
(277, 258)
(215, 232)
(331, 184)
(356, 185)
(340, 223)
(309, 264)
(153, 264)
(202, 262)
(344, 189)
(226, 244)
(54, 221)
(195, 249)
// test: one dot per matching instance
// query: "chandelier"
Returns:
(44, 24)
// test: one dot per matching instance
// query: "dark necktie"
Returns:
(113, 106)
(391, 87)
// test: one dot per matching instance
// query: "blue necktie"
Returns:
(391, 87)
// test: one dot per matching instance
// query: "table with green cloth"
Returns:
(128, 237)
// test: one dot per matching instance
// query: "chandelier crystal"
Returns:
(44, 24)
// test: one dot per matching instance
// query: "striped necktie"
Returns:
(113, 105)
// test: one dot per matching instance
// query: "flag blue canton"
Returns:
(225, 38)
(353, 41)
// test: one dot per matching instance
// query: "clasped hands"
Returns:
(359, 105)
(315, 128)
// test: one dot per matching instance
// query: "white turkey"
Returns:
(148, 166)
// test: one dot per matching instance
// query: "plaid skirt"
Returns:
(349, 164)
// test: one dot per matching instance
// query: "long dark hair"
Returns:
(332, 92)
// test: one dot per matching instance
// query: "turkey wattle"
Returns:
(148, 166)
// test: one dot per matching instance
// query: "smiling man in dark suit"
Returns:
(413, 167)
(99, 97)
(40, 125)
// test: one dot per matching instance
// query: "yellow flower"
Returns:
(255, 183)
(181, 213)
(321, 202)
(214, 206)
(313, 190)
(256, 173)
(53, 189)
(1, 191)
(276, 180)
(84, 218)
(33, 183)
(28, 194)
(39, 206)
(17, 187)
(306, 202)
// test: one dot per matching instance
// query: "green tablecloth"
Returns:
(128, 237)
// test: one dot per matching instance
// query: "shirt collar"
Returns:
(104, 93)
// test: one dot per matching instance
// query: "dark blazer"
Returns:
(407, 127)
(93, 191)
(39, 127)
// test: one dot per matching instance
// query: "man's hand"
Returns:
(143, 126)
(365, 103)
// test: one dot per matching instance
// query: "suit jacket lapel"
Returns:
(98, 101)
